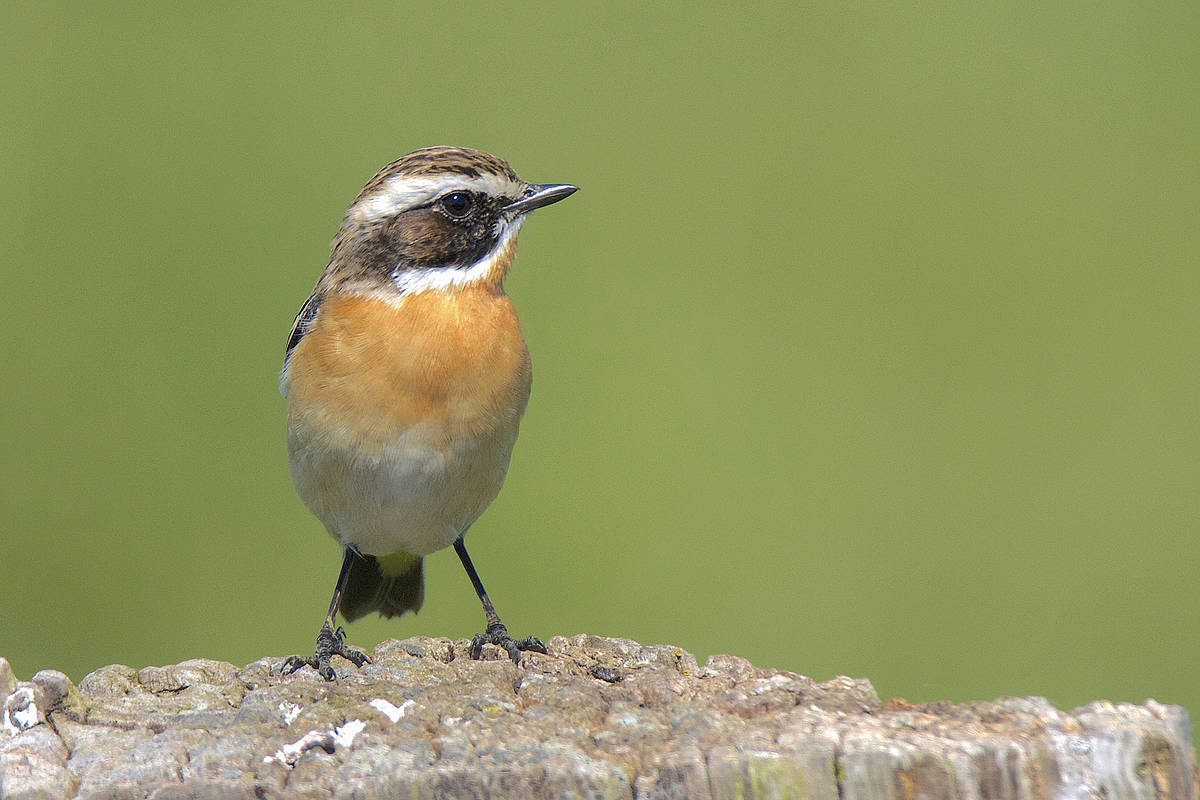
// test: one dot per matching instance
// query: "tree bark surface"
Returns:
(596, 718)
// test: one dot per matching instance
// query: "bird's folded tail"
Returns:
(390, 585)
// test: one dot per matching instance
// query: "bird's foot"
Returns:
(330, 643)
(497, 634)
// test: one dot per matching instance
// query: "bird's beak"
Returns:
(538, 195)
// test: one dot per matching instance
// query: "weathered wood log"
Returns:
(597, 717)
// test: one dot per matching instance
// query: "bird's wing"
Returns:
(302, 324)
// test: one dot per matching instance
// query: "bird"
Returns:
(406, 376)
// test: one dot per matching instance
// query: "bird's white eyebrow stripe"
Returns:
(401, 192)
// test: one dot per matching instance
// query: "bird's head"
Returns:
(437, 218)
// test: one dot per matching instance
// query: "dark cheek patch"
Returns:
(425, 239)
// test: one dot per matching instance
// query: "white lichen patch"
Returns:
(345, 735)
(289, 754)
(394, 713)
(20, 711)
(328, 740)
(290, 711)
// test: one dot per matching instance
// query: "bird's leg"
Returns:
(495, 633)
(330, 641)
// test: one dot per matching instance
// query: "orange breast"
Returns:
(454, 365)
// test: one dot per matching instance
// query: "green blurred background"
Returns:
(869, 347)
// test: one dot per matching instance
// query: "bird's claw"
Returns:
(330, 643)
(498, 635)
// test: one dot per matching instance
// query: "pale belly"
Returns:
(413, 495)
(402, 418)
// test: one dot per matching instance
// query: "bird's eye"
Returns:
(457, 204)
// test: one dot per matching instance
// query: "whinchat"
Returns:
(406, 377)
